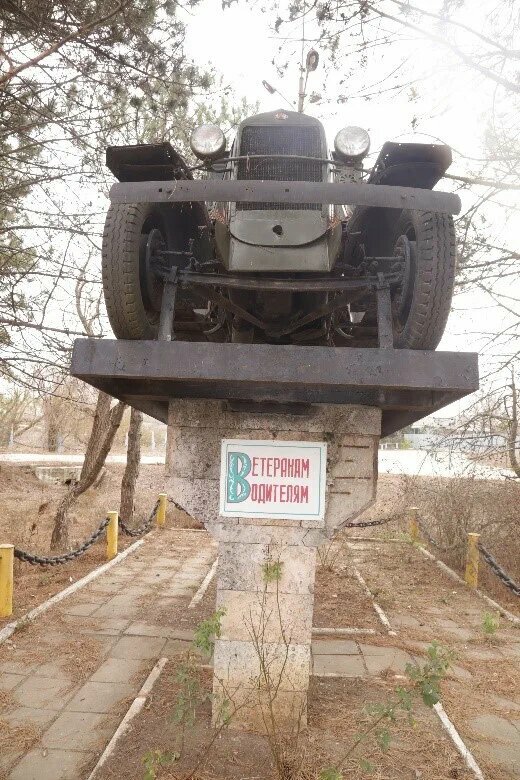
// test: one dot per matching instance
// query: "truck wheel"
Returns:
(132, 294)
(426, 241)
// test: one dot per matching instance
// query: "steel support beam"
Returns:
(406, 384)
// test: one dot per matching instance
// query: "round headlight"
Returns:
(352, 142)
(207, 141)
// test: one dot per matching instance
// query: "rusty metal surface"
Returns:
(260, 282)
(406, 384)
(211, 190)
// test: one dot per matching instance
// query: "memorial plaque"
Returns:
(271, 479)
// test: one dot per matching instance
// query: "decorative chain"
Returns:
(498, 570)
(141, 529)
(430, 538)
(369, 523)
(56, 560)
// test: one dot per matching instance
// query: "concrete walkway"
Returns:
(482, 692)
(67, 679)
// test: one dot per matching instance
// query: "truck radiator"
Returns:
(280, 140)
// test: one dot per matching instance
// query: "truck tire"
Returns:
(133, 305)
(423, 305)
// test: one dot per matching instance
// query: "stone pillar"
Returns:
(265, 582)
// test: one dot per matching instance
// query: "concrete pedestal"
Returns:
(266, 567)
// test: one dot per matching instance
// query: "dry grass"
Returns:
(452, 508)
(337, 713)
(16, 738)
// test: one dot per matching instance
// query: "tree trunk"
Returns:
(133, 462)
(513, 430)
(104, 428)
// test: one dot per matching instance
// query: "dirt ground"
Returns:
(338, 708)
(337, 714)
(423, 604)
(26, 520)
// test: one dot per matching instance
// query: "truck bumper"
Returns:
(347, 193)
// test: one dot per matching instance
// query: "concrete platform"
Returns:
(406, 385)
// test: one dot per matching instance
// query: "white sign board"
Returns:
(273, 479)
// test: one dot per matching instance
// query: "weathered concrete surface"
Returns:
(53, 475)
(196, 429)
(263, 656)
(69, 717)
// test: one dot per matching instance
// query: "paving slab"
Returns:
(375, 649)
(119, 606)
(334, 647)
(80, 731)
(81, 609)
(499, 740)
(122, 670)
(167, 632)
(41, 764)
(43, 692)
(100, 626)
(176, 647)
(506, 704)
(136, 647)
(18, 667)
(496, 727)
(9, 681)
(338, 666)
(395, 661)
(8, 757)
(100, 697)
(23, 715)
(180, 593)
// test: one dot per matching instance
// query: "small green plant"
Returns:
(330, 774)
(425, 683)
(154, 759)
(490, 624)
(207, 631)
(189, 695)
(427, 678)
(272, 571)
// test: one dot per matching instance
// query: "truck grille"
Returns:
(280, 140)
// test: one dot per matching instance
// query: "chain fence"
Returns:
(369, 523)
(495, 567)
(141, 529)
(493, 564)
(57, 560)
(434, 543)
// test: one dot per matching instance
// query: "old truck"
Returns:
(275, 240)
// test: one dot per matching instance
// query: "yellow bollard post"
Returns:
(161, 510)
(6, 579)
(112, 532)
(413, 525)
(472, 560)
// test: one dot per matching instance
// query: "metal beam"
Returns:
(276, 365)
(211, 190)
(406, 384)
